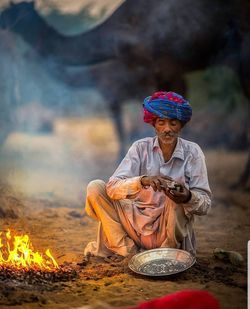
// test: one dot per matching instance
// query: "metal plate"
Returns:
(161, 262)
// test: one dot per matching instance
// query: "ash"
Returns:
(32, 276)
(163, 267)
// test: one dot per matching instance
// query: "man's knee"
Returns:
(95, 190)
(95, 187)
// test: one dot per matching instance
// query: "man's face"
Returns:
(167, 129)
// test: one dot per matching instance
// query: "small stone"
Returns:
(233, 257)
(75, 214)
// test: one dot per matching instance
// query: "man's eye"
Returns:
(173, 123)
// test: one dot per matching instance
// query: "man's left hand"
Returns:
(182, 195)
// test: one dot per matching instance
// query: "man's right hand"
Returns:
(158, 183)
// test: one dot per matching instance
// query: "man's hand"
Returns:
(158, 183)
(174, 190)
(180, 194)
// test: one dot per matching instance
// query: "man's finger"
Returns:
(158, 185)
(154, 186)
(167, 192)
(163, 183)
(177, 193)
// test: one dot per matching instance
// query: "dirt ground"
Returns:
(57, 222)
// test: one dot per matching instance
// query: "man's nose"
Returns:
(167, 128)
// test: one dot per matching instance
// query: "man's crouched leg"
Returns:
(112, 237)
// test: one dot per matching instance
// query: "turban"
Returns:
(166, 105)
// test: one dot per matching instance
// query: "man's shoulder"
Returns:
(191, 147)
(144, 141)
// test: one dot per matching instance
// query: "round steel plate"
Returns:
(161, 262)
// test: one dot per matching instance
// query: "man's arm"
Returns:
(200, 199)
(199, 204)
(126, 180)
(196, 197)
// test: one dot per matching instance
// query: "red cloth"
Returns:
(171, 96)
(148, 116)
(182, 300)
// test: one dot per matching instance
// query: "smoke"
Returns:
(48, 143)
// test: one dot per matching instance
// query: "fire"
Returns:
(17, 251)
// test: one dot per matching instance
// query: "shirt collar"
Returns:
(178, 152)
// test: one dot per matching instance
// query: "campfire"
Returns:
(19, 261)
(17, 252)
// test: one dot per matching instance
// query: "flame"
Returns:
(18, 253)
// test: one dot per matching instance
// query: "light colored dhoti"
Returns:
(116, 234)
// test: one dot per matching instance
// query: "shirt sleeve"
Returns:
(126, 180)
(200, 202)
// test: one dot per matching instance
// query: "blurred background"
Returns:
(73, 75)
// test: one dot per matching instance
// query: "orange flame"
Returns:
(18, 253)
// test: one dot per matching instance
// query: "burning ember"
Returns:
(17, 252)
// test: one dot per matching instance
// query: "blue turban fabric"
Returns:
(167, 105)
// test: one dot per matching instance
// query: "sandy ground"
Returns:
(51, 186)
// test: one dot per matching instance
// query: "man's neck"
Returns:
(167, 149)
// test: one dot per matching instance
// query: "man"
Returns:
(151, 199)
